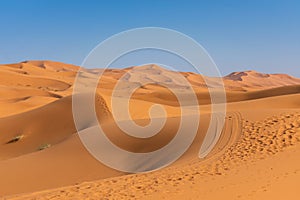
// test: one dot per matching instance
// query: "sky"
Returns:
(261, 35)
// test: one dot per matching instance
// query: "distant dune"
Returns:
(31, 84)
(256, 80)
(42, 157)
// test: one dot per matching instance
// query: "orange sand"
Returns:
(41, 156)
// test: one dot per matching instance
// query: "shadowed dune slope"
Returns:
(47, 125)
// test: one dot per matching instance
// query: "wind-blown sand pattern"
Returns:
(41, 156)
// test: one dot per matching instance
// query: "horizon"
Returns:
(159, 65)
(257, 35)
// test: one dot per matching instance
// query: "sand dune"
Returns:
(42, 157)
(55, 80)
(238, 150)
(256, 80)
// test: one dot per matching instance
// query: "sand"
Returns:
(42, 157)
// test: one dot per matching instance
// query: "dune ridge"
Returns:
(45, 81)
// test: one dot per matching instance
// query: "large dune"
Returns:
(42, 157)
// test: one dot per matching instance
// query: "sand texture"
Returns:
(42, 157)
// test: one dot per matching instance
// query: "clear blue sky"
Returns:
(263, 35)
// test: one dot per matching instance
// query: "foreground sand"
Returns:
(255, 158)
